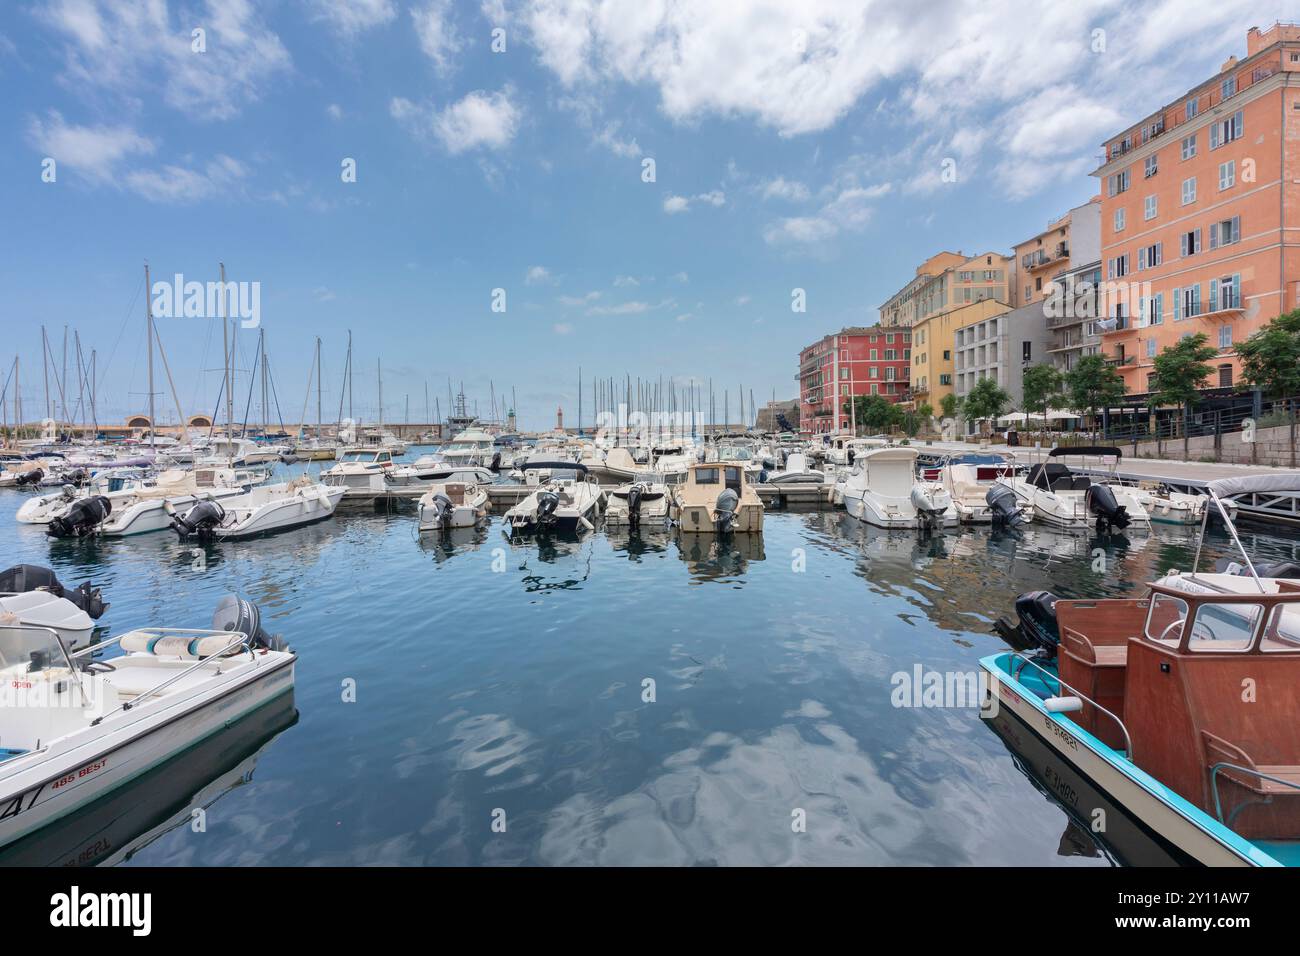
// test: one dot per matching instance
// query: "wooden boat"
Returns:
(717, 498)
(1181, 705)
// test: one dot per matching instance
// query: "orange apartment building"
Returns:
(1200, 213)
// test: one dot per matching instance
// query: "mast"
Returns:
(226, 346)
(318, 390)
(379, 371)
(148, 318)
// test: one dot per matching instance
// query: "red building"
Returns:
(855, 361)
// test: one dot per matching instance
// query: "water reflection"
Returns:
(720, 558)
(447, 543)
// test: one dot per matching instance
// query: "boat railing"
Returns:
(1214, 785)
(1128, 739)
(241, 640)
(58, 642)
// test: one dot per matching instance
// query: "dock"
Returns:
(503, 497)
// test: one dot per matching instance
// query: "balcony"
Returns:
(1119, 361)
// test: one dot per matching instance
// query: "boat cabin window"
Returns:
(1165, 618)
(733, 476)
(1215, 627)
(1282, 633)
(706, 476)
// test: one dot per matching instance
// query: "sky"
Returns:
(646, 182)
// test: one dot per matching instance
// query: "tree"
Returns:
(1181, 369)
(1270, 361)
(986, 401)
(877, 413)
(925, 414)
(1041, 388)
(1093, 385)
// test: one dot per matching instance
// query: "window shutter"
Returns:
(1239, 300)
(1214, 295)
(1196, 299)
(1236, 124)
(1236, 229)
(1160, 253)
(1142, 258)
(1214, 136)
(1214, 235)
(1178, 304)
(1159, 315)
(1182, 244)
(1110, 268)
(1197, 241)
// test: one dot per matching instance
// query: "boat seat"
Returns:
(1080, 483)
(1063, 484)
(1100, 672)
(1218, 750)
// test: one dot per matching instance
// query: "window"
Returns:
(1193, 107)
(889, 339)
(890, 374)
(1225, 292)
(1150, 166)
(1038, 283)
(1025, 349)
(1225, 233)
(1227, 174)
(1226, 130)
(945, 379)
(1119, 220)
(1151, 348)
(844, 390)
(874, 372)
(1189, 191)
(1149, 208)
(1117, 268)
(844, 372)
(1225, 376)
(947, 356)
(1228, 87)
(1165, 617)
(1187, 302)
(875, 355)
(1117, 183)
(1225, 336)
(1150, 256)
(1189, 146)
(1155, 309)
(891, 355)
(1189, 243)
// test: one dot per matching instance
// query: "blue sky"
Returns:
(795, 145)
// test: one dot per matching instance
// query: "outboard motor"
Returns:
(1004, 507)
(1038, 625)
(441, 506)
(76, 477)
(547, 502)
(199, 520)
(634, 505)
(235, 613)
(32, 477)
(725, 511)
(496, 462)
(1100, 500)
(930, 505)
(289, 458)
(1282, 569)
(82, 518)
(22, 578)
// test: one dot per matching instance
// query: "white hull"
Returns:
(276, 508)
(887, 512)
(152, 515)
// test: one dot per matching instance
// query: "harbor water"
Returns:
(626, 699)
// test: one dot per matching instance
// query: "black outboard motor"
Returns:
(82, 518)
(1281, 569)
(289, 458)
(441, 505)
(1038, 624)
(1100, 500)
(1004, 507)
(235, 613)
(634, 505)
(547, 502)
(199, 520)
(725, 510)
(78, 477)
(496, 462)
(22, 578)
(32, 477)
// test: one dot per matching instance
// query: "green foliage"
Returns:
(986, 401)
(1041, 388)
(950, 405)
(1093, 385)
(1270, 359)
(1181, 369)
(876, 413)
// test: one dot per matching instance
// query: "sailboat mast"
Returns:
(318, 390)
(379, 373)
(225, 345)
(148, 318)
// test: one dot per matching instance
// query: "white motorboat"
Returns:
(716, 498)
(452, 504)
(75, 725)
(642, 503)
(436, 470)
(968, 480)
(360, 471)
(259, 511)
(797, 472)
(227, 450)
(884, 491)
(1065, 499)
(471, 447)
(1168, 506)
(42, 608)
(566, 505)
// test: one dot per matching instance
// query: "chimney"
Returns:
(1228, 64)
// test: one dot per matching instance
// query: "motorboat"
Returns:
(77, 724)
(360, 471)
(1167, 506)
(260, 510)
(1178, 705)
(1068, 499)
(472, 447)
(452, 504)
(970, 479)
(228, 450)
(797, 472)
(884, 491)
(642, 503)
(716, 498)
(436, 470)
(565, 505)
(32, 595)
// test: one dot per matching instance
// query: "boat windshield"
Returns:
(362, 456)
(21, 646)
(1223, 626)
(735, 454)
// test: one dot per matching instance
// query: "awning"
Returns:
(1053, 415)
(1256, 484)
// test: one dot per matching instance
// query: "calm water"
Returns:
(497, 680)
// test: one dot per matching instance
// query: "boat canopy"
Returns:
(1098, 450)
(1256, 484)
(554, 466)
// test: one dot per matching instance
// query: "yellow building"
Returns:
(932, 347)
(947, 280)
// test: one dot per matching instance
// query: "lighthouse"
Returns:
(559, 419)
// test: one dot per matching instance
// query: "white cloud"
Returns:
(782, 188)
(537, 275)
(621, 281)
(742, 300)
(675, 204)
(436, 33)
(350, 18)
(323, 294)
(134, 50)
(682, 277)
(623, 308)
(93, 151)
(334, 111)
(562, 328)
(848, 209)
(799, 229)
(182, 184)
(684, 317)
(608, 137)
(578, 300)
(478, 120)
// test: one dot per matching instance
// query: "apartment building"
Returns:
(1067, 241)
(1072, 312)
(872, 360)
(933, 344)
(1200, 208)
(947, 280)
(1000, 346)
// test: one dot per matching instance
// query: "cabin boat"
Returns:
(566, 505)
(1167, 506)
(452, 504)
(1064, 499)
(259, 511)
(716, 498)
(224, 450)
(636, 504)
(436, 470)
(77, 724)
(1180, 705)
(797, 472)
(471, 447)
(969, 479)
(360, 471)
(884, 492)
(316, 449)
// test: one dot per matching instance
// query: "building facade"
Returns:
(1072, 312)
(1200, 212)
(1037, 262)
(1000, 346)
(933, 342)
(854, 361)
(945, 281)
